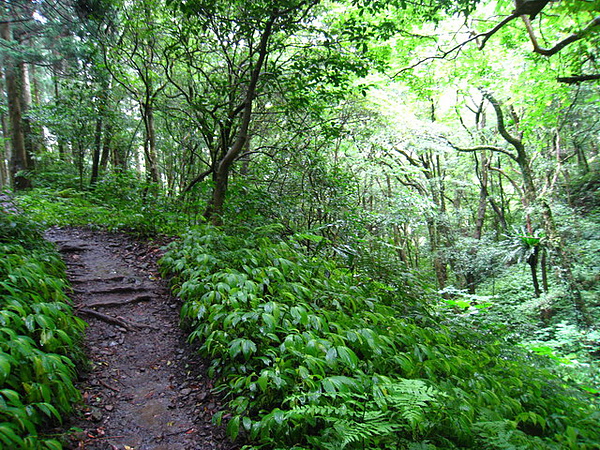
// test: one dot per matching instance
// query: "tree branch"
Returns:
(197, 180)
(573, 79)
(514, 141)
(488, 34)
(440, 56)
(482, 147)
(561, 44)
(518, 188)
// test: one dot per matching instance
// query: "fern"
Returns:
(410, 398)
(352, 419)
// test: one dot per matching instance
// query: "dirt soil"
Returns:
(146, 389)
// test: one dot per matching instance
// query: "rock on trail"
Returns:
(145, 388)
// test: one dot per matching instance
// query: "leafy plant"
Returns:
(312, 355)
(129, 209)
(39, 338)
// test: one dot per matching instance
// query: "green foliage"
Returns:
(120, 202)
(585, 190)
(15, 229)
(39, 337)
(520, 245)
(477, 258)
(311, 355)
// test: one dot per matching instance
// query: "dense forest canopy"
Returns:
(444, 150)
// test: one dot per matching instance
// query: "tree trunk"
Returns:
(19, 159)
(150, 142)
(31, 142)
(105, 155)
(582, 161)
(214, 208)
(58, 67)
(96, 152)
(439, 265)
(5, 149)
(4, 154)
(544, 267)
(533, 264)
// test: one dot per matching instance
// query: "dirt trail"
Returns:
(145, 389)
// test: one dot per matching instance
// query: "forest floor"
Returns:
(145, 388)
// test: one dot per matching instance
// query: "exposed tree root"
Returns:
(97, 280)
(73, 248)
(112, 290)
(127, 324)
(138, 298)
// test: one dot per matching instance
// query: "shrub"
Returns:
(39, 337)
(311, 355)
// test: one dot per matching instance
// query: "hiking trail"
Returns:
(145, 388)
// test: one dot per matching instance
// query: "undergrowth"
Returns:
(39, 337)
(112, 205)
(311, 355)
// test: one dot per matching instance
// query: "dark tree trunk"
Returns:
(19, 158)
(96, 152)
(4, 155)
(214, 209)
(105, 155)
(544, 267)
(533, 265)
(150, 142)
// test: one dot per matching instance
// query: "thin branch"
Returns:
(513, 182)
(197, 180)
(482, 147)
(561, 44)
(443, 55)
(574, 79)
(488, 34)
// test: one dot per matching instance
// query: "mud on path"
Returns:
(145, 388)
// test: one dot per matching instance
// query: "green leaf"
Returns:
(5, 361)
(233, 427)
(49, 410)
(9, 437)
(248, 347)
(331, 355)
(247, 422)
(347, 356)
(278, 416)
(53, 444)
(263, 381)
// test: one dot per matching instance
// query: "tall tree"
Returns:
(132, 54)
(16, 84)
(260, 48)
